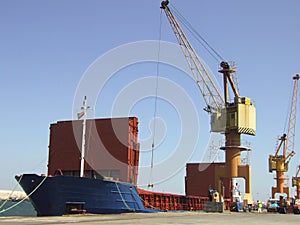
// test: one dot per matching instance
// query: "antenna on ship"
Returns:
(84, 108)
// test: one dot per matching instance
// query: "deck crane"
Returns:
(279, 162)
(296, 182)
(230, 118)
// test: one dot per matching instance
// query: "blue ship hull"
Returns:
(58, 195)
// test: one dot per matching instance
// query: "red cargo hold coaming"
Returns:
(112, 148)
(167, 201)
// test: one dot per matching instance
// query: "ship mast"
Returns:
(84, 109)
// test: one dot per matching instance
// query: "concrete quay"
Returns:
(225, 218)
(7, 194)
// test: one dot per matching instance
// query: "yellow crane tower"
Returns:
(231, 118)
(279, 162)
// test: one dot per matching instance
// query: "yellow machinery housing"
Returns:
(278, 163)
(238, 116)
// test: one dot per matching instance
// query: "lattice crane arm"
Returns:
(211, 94)
(287, 141)
(292, 118)
(209, 90)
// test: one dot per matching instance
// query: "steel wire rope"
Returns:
(201, 40)
(27, 196)
(13, 206)
(288, 109)
(11, 193)
(152, 207)
(155, 102)
(196, 34)
(287, 114)
(122, 198)
(292, 106)
(17, 184)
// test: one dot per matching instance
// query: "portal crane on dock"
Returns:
(231, 118)
(279, 162)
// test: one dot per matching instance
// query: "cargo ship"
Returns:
(93, 168)
(109, 181)
(58, 195)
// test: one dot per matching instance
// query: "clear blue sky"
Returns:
(46, 46)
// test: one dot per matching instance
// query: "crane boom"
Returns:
(280, 163)
(292, 118)
(287, 141)
(211, 94)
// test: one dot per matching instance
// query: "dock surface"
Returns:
(8, 194)
(161, 218)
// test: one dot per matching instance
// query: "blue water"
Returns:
(23, 209)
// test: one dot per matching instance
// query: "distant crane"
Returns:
(231, 118)
(296, 183)
(279, 162)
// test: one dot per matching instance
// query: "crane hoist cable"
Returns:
(210, 91)
(150, 184)
(198, 38)
(288, 108)
(196, 34)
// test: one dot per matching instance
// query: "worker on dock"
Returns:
(259, 206)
